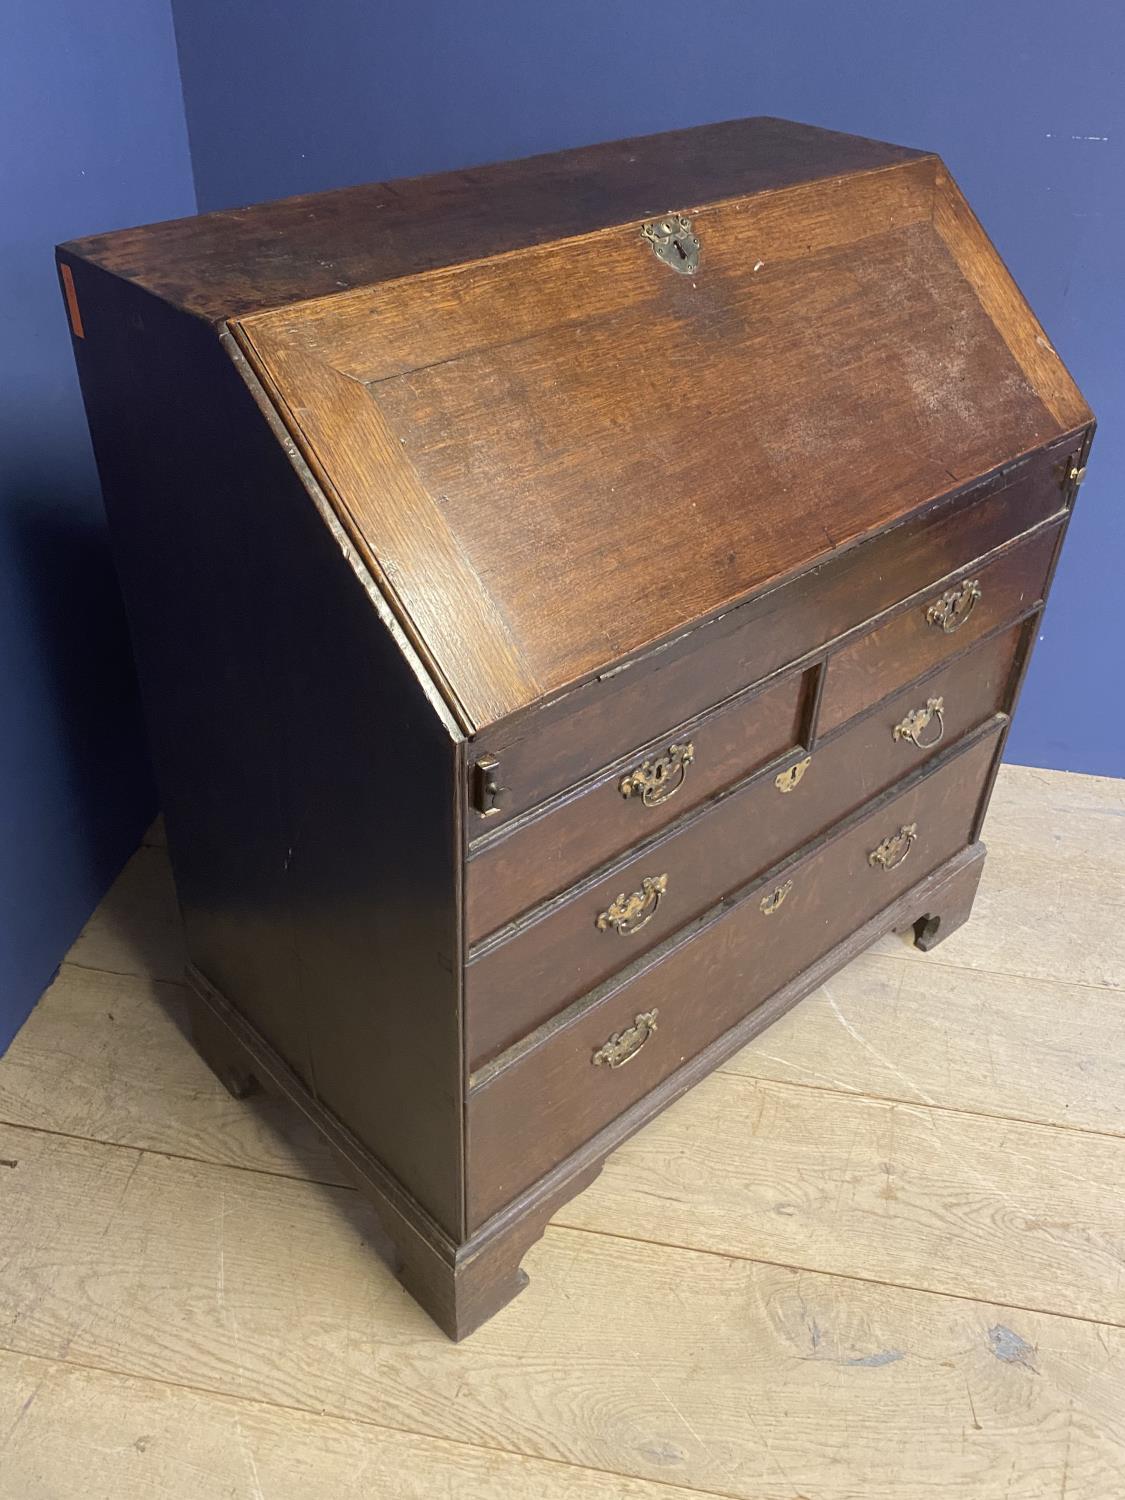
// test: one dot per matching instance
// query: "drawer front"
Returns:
(561, 744)
(513, 986)
(537, 1106)
(927, 633)
(630, 802)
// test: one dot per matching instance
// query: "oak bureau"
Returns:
(579, 605)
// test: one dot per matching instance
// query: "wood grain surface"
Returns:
(575, 735)
(737, 958)
(552, 407)
(518, 413)
(227, 264)
(893, 1268)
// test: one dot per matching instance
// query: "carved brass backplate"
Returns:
(629, 914)
(654, 781)
(791, 778)
(674, 242)
(623, 1046)
(954, 607)
(769, 904)
(916, 722)
(892, 851)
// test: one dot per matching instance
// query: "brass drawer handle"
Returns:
(769, 904)
(892, 851)
(917, 722)
(628, 914)
(654, 781)
(623, 1046)
(787, 780)
(954, 607)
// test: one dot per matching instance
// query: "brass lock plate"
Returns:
(788, 779)
(674, 242)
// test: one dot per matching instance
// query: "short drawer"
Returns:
(631, 801)
(539, 1103)
(920, 637)
(522, 979)
(540, 754)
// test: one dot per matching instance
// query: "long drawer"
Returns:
(572, 1078)
(562, 743)
(566, 948)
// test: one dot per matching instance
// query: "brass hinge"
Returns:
(487, 790)
(1071, 472)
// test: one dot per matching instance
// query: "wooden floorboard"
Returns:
(1024, 1214)
(880, 1254)
(141, 1439)
(133, 1078)
(720, 1374)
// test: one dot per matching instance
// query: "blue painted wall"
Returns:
(1023, 99)
(92, 135)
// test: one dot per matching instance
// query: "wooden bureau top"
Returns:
(554, 449)
(245, 260)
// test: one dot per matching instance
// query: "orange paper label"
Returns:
(71, 301)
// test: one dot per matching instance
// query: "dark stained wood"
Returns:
(950, 888)
(865, 756)
(910, 643)
(451, 614)
(461, 1286)
(1004, 303)
(239, 261)
(950, 905)
(276, 699)
(567, 740)
(532, 970)
(460, 1282)
(541, 856)
(565, 403)
(479, 307)
(441, 505)
(735, 960)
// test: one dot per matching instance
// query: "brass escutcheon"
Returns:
(791, 778)
(674, 242)
(769, 904)
(623, 1046)
(654, 781)
(954, 607)
(892, 851)
(628, 914)
(916, 722)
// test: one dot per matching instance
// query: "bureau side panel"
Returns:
(306, 779)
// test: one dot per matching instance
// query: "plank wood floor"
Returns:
(879, 1256)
